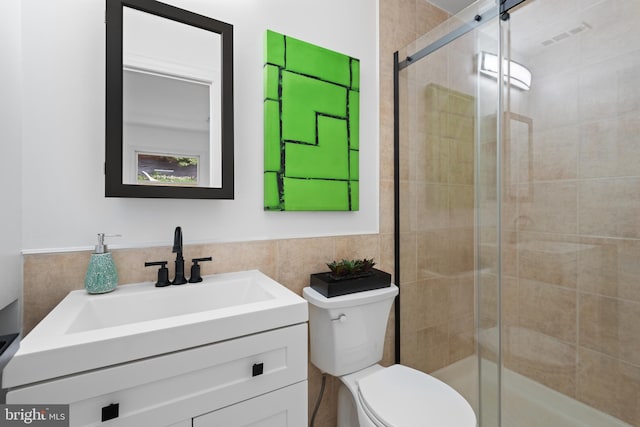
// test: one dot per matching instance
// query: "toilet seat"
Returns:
(399, 396)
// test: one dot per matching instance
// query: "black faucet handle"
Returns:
(163, 273)
(195, 269)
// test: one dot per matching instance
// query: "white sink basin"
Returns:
(87, 332)
(140, 303)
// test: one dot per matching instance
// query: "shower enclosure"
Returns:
(518, 210)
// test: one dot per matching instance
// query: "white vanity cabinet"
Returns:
(258, 380)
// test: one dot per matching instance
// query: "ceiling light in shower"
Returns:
(519, 75)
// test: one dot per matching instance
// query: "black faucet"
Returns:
(177, 249)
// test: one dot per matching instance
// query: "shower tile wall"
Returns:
(571, 225)
(437, 300)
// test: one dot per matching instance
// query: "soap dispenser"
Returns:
(101, 274)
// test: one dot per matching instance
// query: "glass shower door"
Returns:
(571, 216)
(448, 205)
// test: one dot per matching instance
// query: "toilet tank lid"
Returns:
(358, 298)
(399, 395)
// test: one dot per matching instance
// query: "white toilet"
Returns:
(347, 339)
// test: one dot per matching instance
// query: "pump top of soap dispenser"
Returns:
(101, 247)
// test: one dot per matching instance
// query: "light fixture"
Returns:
(519, 75)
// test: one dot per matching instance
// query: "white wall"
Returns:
(10, 164)
(64, 203)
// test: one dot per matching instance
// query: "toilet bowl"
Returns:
(347, 339)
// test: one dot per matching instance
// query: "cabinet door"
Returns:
(286, 407)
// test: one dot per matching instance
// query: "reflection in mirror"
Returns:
(169, 95)
(171, 130)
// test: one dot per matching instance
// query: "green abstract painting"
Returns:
(311, 127)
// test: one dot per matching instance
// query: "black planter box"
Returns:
(331, 287)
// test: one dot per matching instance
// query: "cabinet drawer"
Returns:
(167, 389)
(281, 408)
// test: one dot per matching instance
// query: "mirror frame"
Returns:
(114, 186)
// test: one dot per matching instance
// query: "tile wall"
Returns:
(572, 220)
(437, 234)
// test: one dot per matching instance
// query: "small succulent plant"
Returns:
(350, 267)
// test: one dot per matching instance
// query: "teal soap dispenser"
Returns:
(102, 276)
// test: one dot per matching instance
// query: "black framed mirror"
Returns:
(169, 103)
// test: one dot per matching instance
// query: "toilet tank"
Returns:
(347, 332)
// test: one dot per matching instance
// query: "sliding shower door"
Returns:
(518, 208)
(571, 216)
(448, 205)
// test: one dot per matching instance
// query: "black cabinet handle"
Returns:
(258, 369)
(110, 412)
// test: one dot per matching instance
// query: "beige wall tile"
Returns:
(387, 254)
(548, 261)
(610, 326)
(510, 292)
(356, 247)
(436, 301)
(432, 206)
(608, 147)
(555, 153)
(431, 71)
(298, 258)
(461, 250)
(628, 75)
(389, 353)
(433, 346)
(461, 206)
(386, 206)
(555, 102)
(413, 297)
(432, 156)
(551, 208)
(610, 267)
(425, 303)
(541, 358)
(461, 296)
(487, 295)
(461, 337)
(549, 310)
(386, 152)
(598, 91)
(130, 263)
(510, 254)
(47, 280)
(408, 199)
(610, 207)
(432, 256)
(230, 257)
(408, 259)
(428, 16)
(609, 385)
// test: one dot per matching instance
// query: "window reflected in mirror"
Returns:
(167, 169)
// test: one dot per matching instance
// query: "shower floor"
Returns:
(526, 403)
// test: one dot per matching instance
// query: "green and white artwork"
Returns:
(311, 127)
